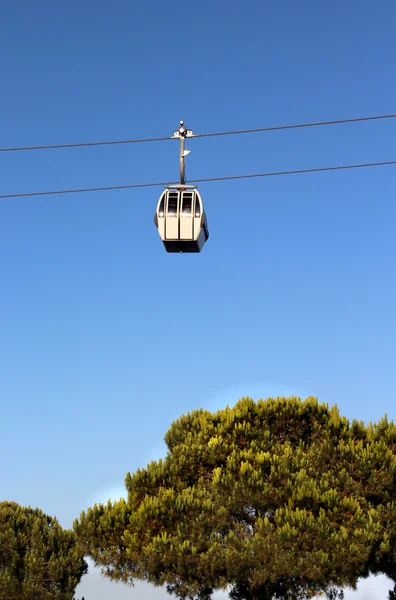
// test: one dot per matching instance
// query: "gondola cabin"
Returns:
(181, 220)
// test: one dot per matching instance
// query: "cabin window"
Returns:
(197, 207)
(172, 204)
(161, 207)
(187, 204)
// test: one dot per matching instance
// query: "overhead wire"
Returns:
(85, 144)
(205, 180)
(296, 126)
(198, 135)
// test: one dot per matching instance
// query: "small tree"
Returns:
(277, 499)
(38, 559)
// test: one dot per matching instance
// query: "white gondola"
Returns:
(180, 217)
(181, 220)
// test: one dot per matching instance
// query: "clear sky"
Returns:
(104, 338)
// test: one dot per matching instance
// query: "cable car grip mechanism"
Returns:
(181, 134)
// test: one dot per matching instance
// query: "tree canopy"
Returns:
(38, 559)
(281, 498)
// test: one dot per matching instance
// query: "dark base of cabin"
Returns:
(182, 246)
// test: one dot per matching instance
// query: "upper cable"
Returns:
(197, 135)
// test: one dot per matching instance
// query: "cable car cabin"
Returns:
(181, 220)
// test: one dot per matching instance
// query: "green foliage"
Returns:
(38, 559)
(279, 499)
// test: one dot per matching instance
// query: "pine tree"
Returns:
(278, 499)
(38, 559)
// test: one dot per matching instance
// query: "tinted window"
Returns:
(197, 207)
(187, 204)
(172, 204)
(161, 208)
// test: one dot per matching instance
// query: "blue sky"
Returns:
(104, 338)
